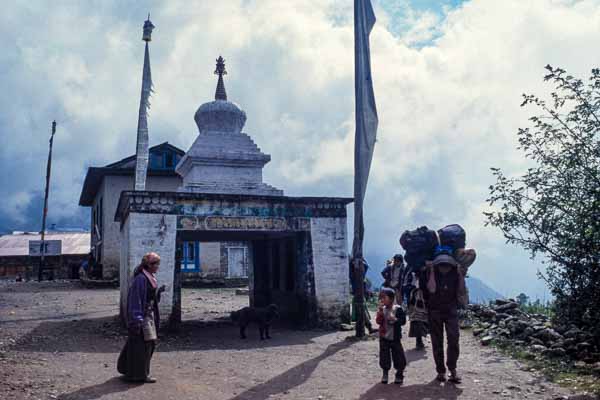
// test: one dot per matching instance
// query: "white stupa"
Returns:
(223, 159)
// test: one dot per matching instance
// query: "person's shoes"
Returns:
(371, 330)
(150, 379)
(399, 380)
(454, 377)
(384, 377)
(441, 377)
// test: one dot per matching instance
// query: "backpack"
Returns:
(419, 240)
(419, 245)
(453, 236)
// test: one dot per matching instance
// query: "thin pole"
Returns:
(45, 212)
(359, 297)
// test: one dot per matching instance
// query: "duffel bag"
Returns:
(453, 235)
(419, 241)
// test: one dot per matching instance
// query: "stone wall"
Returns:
(141, 234)
(27, 267)
(330, 260)
(111, 189)
(535, 334)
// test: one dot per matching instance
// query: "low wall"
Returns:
(65, 266)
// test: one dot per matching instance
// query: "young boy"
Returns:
(390, 318)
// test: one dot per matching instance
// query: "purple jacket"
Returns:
(137, 299)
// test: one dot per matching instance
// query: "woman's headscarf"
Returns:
(147, 259)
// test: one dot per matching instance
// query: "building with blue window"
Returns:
(101, 191)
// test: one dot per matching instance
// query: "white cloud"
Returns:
(448, 108)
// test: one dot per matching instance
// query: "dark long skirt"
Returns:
(134, 360)
(418, 329)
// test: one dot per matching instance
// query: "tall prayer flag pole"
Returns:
(141, 150)
(364, 143)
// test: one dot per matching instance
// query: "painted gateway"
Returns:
(297, 246)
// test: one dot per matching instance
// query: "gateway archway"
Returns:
(298, 247)
(277, 268)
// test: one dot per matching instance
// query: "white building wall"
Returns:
(110, 190)
(330, 260)
(210, 259)
(140, 235)
(124, 275)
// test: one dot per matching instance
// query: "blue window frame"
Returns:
(191, 257)
(163, 160)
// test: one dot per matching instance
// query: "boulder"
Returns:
(554, 352)
(548, 335)
(528, 331)
(476, 308)
(487, 340)
(465, 324)
(570, 342)
(559, 343)
(504, 333)
(537, 342)
(517, 326)
(487, 314)
(537, 348)
(583, 347)
(478, 331)
(506, 307)
(572, 333)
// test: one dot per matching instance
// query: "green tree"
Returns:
(522, 299)
(553, 209)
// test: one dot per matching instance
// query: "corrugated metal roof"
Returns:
(17, 244)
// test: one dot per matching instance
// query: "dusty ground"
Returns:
(60, 341)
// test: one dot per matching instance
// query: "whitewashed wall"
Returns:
(112, 186)
(140, 235)
(330, 259)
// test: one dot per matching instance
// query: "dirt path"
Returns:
(59, 341)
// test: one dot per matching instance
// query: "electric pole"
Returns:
(45, 213)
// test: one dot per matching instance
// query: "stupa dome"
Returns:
(220, 115)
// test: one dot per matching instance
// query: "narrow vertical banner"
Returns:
(364, 141)
(141, 150)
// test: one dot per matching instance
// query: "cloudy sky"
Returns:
(448, 79)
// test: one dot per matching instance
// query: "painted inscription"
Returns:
(246, 224)
(223, 223)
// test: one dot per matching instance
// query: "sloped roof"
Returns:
(129, 162)
(17, 244)
(126, 166)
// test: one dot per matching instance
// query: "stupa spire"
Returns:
(220, 93)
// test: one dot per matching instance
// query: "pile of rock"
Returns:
(505, 321)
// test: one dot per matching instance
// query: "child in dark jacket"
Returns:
(390, 318)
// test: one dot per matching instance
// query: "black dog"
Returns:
(263, 316)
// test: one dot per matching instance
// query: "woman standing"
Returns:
(142, 321)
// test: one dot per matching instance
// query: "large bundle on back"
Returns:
(453, 236)
(419, 245)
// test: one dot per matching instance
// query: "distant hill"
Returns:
(479, 292)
